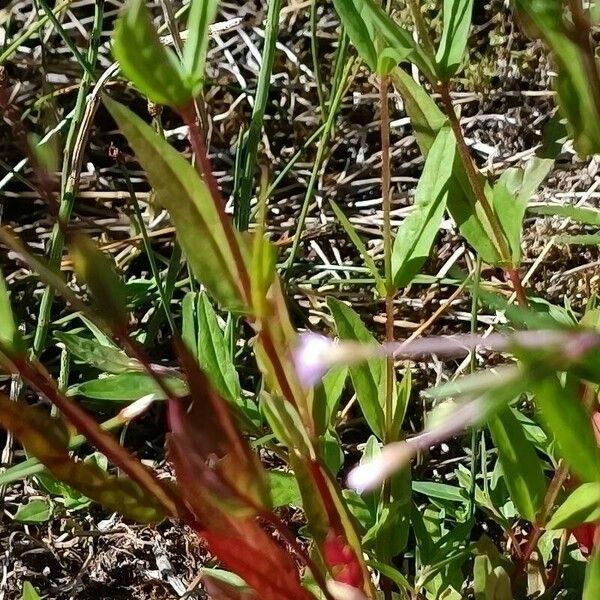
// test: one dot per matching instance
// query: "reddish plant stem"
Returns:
(514, 277)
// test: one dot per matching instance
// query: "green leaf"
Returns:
(579, 240)
(35, 511)
(367, 378)
(591, 587)
(370, 27)
(418, 231)
(189, 321)
(126, 387)
(284, 489)
(511, 194)
(28, 592)
(355, 24)
(522, 468)
(46, 438)
(457, 15)
(151, 67)
(202, 15)
(563, 413)
(327, 398)
(204, 237)
(440, 491)
(427, 120)
(213, 353)
(360, 246)
(10, 338)
(587, 216)
(105, 358)
(96, 270)
(581, 506)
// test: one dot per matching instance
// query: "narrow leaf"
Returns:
(591, 587)
(152, 68)
(105, 358)
(202, 15)
(521, 466)
(354, 23)
(10, 339)
(29, 592)
(366, 378)
(457, 16)
(417, 233)
(202, 234)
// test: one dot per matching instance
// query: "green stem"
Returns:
(314, 49)
(150, 253)
(252, 137)
(69, 183)
(331, 116)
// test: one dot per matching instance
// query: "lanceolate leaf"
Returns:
(375, 33)
(127, 387)
(522, 468)
(427, 120)
(202, 15)
(456, 26)
(35, 511)
(587, 216)
(214, 355)
(367, 378)
(105, 358)
(47, 439)
(562, 411)
(417, 233)
(29, 593)
(9, 334)
(511, 194)
(151, 67)
(200, 230)
(582, 506)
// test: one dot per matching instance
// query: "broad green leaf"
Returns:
(284, 489)
(563, 413)
(202, 15)
(96, 270)
(367, 378)
(35, 511)
(126, 387)
(10, 338)
(28, 592)
(105, 358)
(46, 438)
(354, 23)
(360, 246)
(591, 587)
(587, 216)
(457, 16)
(151, 67)
(214, 355)
(522, 468)
(581, 506)
(204, 237)
(418, 231)
(484, 580)
(510, 196)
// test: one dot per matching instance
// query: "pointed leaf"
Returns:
(366, 378)
(582, 506)
(202, 234)
(35, 511)
(418, 231)
(591, 587)
(152, 68)
(202, 15)
(457, 16)
(10, 338)
(521, 466)
(29, 592)
(105, 358)
(46, 438)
